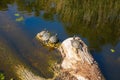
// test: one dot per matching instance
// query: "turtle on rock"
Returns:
(76, 44)
(46, 36)
(53, 39)
(42, 32)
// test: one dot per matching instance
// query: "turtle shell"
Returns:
(53, 39)
(76, 44)
(42, 33)
(46, 36)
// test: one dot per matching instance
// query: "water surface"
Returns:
(96, 22)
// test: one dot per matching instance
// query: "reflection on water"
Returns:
(97, 22)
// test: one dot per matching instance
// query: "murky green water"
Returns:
(96, 22)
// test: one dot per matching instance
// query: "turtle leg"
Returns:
(45, 42)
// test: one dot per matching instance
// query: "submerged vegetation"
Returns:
(2, 76)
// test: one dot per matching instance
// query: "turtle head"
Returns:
(74, 37)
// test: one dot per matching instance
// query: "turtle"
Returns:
(76, 44)
(42, 32)
(46, 36)
(53, 39)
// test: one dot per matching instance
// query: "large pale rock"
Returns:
(79, 63)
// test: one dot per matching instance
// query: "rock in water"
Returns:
(81, 64)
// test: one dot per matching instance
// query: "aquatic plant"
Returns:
(20, 19)
(16, 14)
(112, 50)
(2, 76)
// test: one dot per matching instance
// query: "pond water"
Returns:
(96, 22)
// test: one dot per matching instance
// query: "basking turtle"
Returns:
(53, 39)
(76, 44)
(42, 32)
(46, 36)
